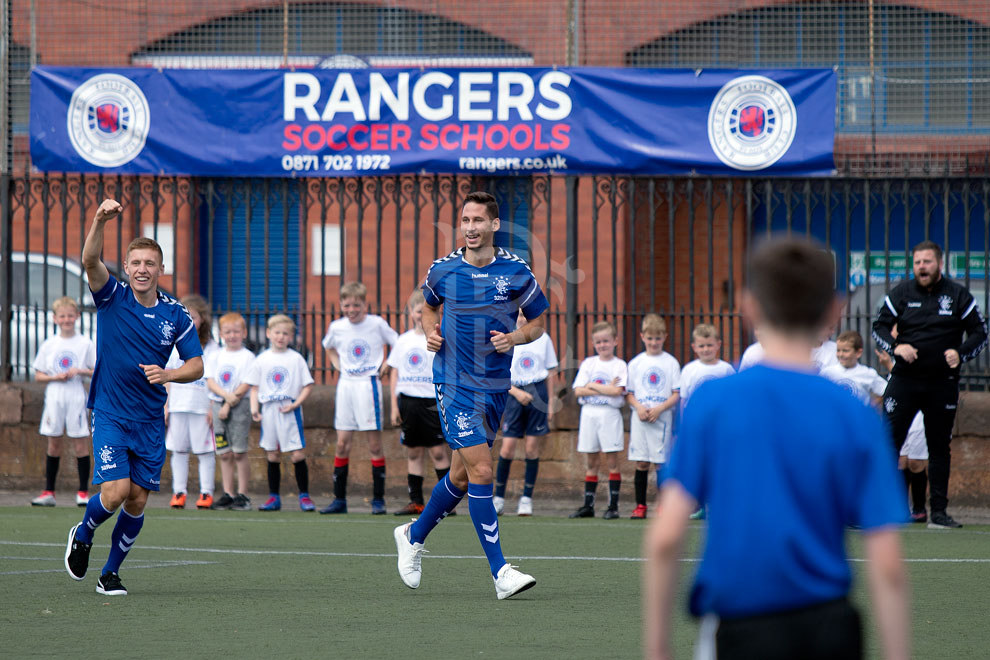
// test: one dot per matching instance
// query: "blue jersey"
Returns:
(785, 461)
(475, 302)
(129, 334)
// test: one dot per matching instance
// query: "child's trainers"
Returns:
(274, 503)
(305, 503)
(525, 507)
(205, 501)
(378, 507)
(178, 501)
(337, 506)
(109, 585)
(225, 501)
(241, 503)
(611, 514)
(47, 498)
(82, 498)
(499, 503)
(639, 513)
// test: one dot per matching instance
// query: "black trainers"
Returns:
(611, 514)
(76, 555)
(223, 502)
(109, 585)
(241, 503)
(584, 512)
(942, 520)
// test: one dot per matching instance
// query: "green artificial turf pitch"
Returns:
(221, 584)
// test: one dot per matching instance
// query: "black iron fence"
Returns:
(603, 247)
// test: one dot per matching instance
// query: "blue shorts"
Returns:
(519, 420)
(469, 417)
(125, 449)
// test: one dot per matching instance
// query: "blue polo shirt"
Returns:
(129, 334)
(475, 302)
(785, 461)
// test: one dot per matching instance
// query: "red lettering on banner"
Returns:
(291, 133)
(445, 133)
(560, 135)
(321, 137)
(352, 137)
(490, 137)
(428, 137)
(379, 137)
(538, 142)
(400, 136)
(478, 139)
(527, 137)
(336, 129)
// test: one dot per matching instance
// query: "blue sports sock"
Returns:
(96, 514)
(486, 523)
(502, 475)
(124, 534)
(443, 499)
(532, 469)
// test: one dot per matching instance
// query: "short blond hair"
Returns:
(280, 319)
(652, 323)
(145, 243)
(415, 298)
(65, 301)
(353, 290)
(232, 317)
(604, 325)
(705, 331)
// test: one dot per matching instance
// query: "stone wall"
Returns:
(22, 453)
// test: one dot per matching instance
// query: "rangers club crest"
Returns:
(751, 123)
(105, 455)
(226, 375)
(501, 287)
(359, 350)
(889, 404)
(944, 305)
(65, 361)
(108, 120)
(601, 379)
(277, 378)
(527, 362)
(416, 360)
(463, 421)
(168, 332)
(654, 379)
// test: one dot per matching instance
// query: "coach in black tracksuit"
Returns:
(931, 313)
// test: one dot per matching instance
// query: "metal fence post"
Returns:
(570, 364)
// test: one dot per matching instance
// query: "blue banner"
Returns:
(463, 121)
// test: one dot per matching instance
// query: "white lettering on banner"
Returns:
(513, 92)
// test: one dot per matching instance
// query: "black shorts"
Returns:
(827, 631)
(420, 422)
(519, 421)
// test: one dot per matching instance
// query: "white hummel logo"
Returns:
(126, 543)
(491, 538)
(489, 528)
(149, 316)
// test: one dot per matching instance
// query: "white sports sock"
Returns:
(180, 471)
(207, 472)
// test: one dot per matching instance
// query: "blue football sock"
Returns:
(96, 514)
(486, 523)
(502, 475)
(443, 499)
(124, 534)
(532, 469)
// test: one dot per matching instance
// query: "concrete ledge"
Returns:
(22, 452)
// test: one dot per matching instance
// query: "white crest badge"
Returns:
(168, 331)
(105, 454)
(944, 304)
(501, 285)
(463, 421)
(108, 120)
(751, 123)
(889, 404)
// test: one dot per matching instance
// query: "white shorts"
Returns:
(600, 429)
(358, 404)
(189, 432)
(65, 414)
(649, 441)
(281, 431)
(915, 446)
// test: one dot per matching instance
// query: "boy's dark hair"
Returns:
(791, 280)
(851, 337)
(929, 245)
(480, 197)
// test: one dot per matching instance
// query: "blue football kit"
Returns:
(128, 422)
(781, 454)
(471, 377)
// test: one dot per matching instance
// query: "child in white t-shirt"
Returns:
(653, 391)
(187, 414)
(862, 381)
(61, 362)
(280, 382)
(225, 371)
(600, 387)
(355, 346)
